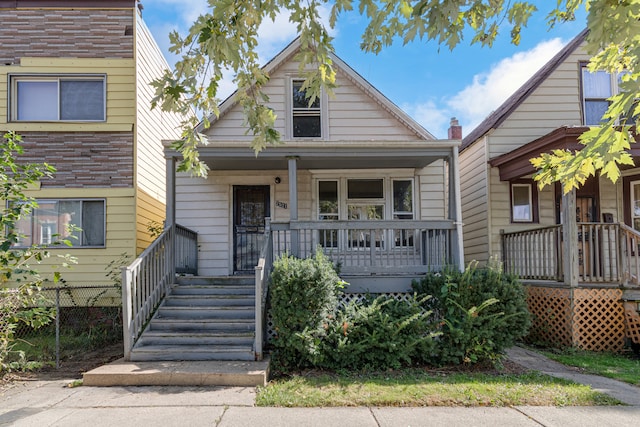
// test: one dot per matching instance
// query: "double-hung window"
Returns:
(597, 88)
(58, 98)
(82, 222)
(306, 118)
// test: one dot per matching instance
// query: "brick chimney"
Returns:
(455, 130)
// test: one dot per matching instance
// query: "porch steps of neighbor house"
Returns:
(202, 319)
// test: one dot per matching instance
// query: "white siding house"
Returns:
(354, 176)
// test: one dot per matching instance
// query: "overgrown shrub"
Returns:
(481, 313)
(304, 298)
(378, 333)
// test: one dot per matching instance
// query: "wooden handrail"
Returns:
(146, 281)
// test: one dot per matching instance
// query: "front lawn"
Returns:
(415, 387)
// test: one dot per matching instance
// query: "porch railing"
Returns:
(147, 280)
(534, 254)
(399, 246)
(630, 248)
(607, 253)
(262, 272)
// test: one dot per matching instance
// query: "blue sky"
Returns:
(429, 82)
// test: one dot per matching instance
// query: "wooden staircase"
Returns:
(202, 318)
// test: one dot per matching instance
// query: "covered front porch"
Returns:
(578, 256)
(384, 212)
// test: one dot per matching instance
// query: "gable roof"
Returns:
(288, 52)
(501, 113)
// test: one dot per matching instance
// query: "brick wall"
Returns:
(82, 159)
(80, 33)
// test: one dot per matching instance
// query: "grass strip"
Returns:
(621, 367)
(419, 388)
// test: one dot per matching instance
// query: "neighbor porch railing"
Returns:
(398, 246)
(607, 253)
(147, 280)
(262, 272)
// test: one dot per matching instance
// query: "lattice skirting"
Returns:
(590, 319)
(633, 321)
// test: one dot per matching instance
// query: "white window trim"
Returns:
(530, 191)
(317, 197)
(13, 98)
(386, 201)
(324, 113)
(613, 81)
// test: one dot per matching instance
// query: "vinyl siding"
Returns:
(474, 190)
(432, 190)
(120, 236)
(555, 103)
(149, 211)
(153, 126)
(351, 114)
(120, 92)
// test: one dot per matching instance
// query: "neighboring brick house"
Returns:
(74, 82)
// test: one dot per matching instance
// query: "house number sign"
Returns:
(280, 204)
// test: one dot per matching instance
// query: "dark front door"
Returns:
(250, 208)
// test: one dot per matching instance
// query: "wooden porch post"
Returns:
(570, 239)
(293, 202)
(170, 220)
(171, 192)
(455, 210)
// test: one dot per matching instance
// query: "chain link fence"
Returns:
(85, 318)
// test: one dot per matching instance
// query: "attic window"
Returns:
(128, 30)
(597, 88)
(306, 118)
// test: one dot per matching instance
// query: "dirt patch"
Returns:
(71, 368)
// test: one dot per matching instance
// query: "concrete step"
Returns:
(216, 280)
(168, 373)
(201, 325)
(209, 300)
(205, 312)
(211, 290)
(223, 338)
(191, 352)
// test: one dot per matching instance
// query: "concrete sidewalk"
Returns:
(52, 403)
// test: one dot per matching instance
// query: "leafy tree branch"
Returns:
(226, 38)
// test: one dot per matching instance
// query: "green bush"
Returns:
(481, 313)
(304, 298)
(378, 334)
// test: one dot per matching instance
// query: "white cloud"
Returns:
(490, 89)
(273, 35)
(431, 116)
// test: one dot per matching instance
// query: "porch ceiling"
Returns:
(326, 157)
(515, 164)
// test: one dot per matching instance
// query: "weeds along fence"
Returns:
(84, 318)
